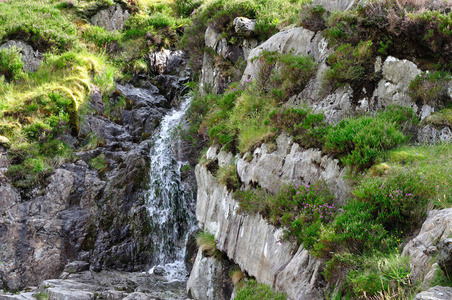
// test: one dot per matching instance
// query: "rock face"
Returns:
(214, 79)
(422, 248)
(254, 244)
(81, 213)
(112, 18)
(435, 293)
(244, 26)
(210, 279)
(297, 41)
(393, 88)
(292, 164)
(333, 5)
(33, 233)
(32, 59)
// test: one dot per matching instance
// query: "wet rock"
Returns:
(113, 285)
(435, 293)
(32, 59)
(104, 128)
(148, 96)
(167, 62)
(423, 247)
(445, 255)
(171, 86)
(112, 18)
(95, 100)
(244, 26)
(209, 279)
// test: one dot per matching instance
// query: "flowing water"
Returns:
(170, 204)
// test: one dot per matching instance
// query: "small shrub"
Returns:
(253, 290)
(11, 65)
(206, 242)
(349, 63)
(237, 276)
(360, 141)
(307, 128)
(227, 176)
(398, 202)
(285, 74)
(99, 162)
(431, 88)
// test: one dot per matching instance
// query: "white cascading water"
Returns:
(170, 206)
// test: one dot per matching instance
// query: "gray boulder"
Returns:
(167, 62)
(209, 279)
(333, 5)
(32, 59)
(445, 255)
(244, 26)
(112, 18)
(423, 247)
(435, 293)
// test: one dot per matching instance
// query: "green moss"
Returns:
(441, 118)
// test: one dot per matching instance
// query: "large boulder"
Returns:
(244, 26)
(209, 279)
(435, 293)
(445, 255)
(32, 59)
(298, 41)
(393, 87)
(112, 18)
(422, 248)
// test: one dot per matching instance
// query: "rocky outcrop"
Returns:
(210, 279)
(96, 216)
(435, 293)
(298, 41)
(292, 164)
(39, 235)
(334, 5)
(112, 18)
(244, 26)
(214, 77)
(254, 244)
(422, 248)
(32, 59)
(393, 87)
(113, 285)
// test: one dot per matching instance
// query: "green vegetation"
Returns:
(431, 88)
(270, 16)
(227, 176)
(41, 296)
(206, 242)
(349, 63)
(254, 290)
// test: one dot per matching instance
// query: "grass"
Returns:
(433, 165)
(206, 242)
(40, 23)
(253, 290)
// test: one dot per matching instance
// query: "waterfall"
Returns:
(170, 206)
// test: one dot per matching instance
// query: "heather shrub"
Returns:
(349, 63)
(431, 88)
(360, 141)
